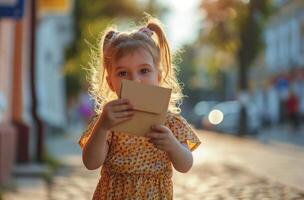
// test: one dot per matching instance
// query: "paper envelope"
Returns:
(150, 104)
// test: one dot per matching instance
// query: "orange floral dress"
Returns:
(134, 168)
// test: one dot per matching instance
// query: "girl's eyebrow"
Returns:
(123, 67)
(119, 67)
(144, 64)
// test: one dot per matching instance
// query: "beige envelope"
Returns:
(150, 104)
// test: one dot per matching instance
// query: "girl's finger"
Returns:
(122, 119)
(157, 141)
(122, 107)
(160, 128)
(118, 102)
(155, 135)
(123, 114)
(159, 146)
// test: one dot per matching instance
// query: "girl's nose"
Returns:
(136, 78)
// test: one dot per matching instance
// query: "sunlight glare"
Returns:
(215, 117)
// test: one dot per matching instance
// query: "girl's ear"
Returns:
(110, 83)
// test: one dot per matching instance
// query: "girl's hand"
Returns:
(115, 112)
(163, 138)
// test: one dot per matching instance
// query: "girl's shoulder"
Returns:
(182, 130)
(177, 121)
(174, 118)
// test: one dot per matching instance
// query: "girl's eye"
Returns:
(144, 70)
(122, 73)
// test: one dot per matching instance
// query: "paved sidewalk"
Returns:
(225, 167)
(276, 161)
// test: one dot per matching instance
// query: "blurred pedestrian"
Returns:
(86, 107)
(135, 167)
(292, 105)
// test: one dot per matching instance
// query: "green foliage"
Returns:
(187, 65)
(187, 70)
(73, 83)
(236, 26)
(222, 17)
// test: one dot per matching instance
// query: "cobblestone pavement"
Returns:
(215, 175)
(213, 181)
(210, 181)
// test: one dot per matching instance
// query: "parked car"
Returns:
(200, 111)
(224, 117)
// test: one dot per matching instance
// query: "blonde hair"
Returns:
(114, 45)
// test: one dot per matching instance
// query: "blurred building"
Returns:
(281, 69)
(15, 111)
(54, 33)
(50, 23)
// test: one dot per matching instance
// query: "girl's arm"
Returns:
(96, 149)
(181, 158)
(163, 139)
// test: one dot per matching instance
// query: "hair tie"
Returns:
(146, 31)
(110, 35)
(108, 38)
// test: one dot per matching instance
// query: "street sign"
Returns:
(11, 9)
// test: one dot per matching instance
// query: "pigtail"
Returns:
(108, 35)
(166, 58)
(98, 89)
(106, 41)
(169, 77)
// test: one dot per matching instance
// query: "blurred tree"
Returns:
(200, 80)
(91, 18)
(189, 72)
(236, 27)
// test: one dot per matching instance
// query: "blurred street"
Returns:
(226, 167)
(282, 133)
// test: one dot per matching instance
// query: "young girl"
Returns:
(135, 167)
